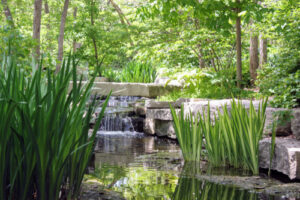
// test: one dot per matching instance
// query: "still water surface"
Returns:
(142, 167)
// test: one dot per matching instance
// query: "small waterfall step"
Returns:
(120, 115)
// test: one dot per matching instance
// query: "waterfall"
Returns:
(119, 115)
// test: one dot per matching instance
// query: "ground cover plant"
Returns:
(44, 143)
(132, 72)
(231, 137)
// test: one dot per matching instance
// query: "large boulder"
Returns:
(165, 129)
(149, 126)
(295, 124)
(286, 157)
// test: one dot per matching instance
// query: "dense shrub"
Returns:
(281, 79)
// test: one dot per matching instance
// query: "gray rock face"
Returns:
(165, 129)
(286, 156)
(160, 111)
(140, 109)
(150, 90)
(161, 114)
(295, 124)
(153, 104)
(149, 126)
(282, 129)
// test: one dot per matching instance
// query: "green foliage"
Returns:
(132, 72)
(231, 138)
(136, 182)
(208, 83)
(112, 74)
(281, 79)
(138, 72)
(188, 134)
(44, 143)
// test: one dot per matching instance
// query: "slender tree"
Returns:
(263, 45)
(37, 18)
(93, 37)
(7, 13)
(74, 40)
(238, 45)
(61, 35)
(122, 16)
(253, 53)
(253, 57)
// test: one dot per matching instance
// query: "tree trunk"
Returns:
(120, 13)
(123, 18)
(94, 39)
(253, 57)
(37, 18)
(7, 13)
(48, 25)
(263, 51)
(74, 40)
(61, 35)
(201, 61)
(238, 48)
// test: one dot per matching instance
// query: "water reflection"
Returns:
(147, 168)
(191, 188)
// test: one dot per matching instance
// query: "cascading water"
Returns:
(120, 116)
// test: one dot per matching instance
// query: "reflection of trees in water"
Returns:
(109, 174)
(191, 188)
(136, 182)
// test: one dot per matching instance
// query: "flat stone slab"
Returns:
(160, 114)
(199, 106)
(286, 157)
(153, 104)
(150, 90)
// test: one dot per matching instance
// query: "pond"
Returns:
(144, 167)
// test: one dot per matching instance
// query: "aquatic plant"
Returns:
(44, 142)
(232, 138)
(189, 134)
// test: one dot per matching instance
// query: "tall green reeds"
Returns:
(138, 72)
(189, 134)
(44, 142)
(231, 138)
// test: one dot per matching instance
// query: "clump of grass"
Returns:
(189, 134)
(44, 142)
(138, 72)
(232, 138)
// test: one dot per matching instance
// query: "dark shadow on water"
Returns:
(191, 188)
